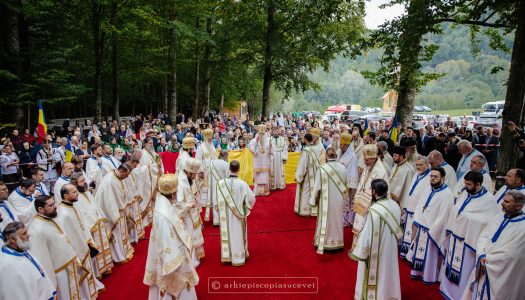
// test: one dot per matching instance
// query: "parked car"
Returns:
(489, 120)
(418, 121)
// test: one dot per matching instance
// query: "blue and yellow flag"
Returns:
(367, 129)
(394, 130)
(69, 151)
(42, 127)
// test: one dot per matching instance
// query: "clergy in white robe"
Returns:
(132, 209)
(170, 273)
(235, 201)
(260, 146)
(141, 174)
(412, 155)
(7, 212)
(76, 230)
(37, 174)
(111, 198)
(94, 170)
(400, 177)
(330, 190)
(48, 160)
(278, 158)
(467, 152)
(476, 165)
(96, 225)
(63, 179)
(376, 248)
(472, 211)
(363, 199)
(388, 161)
(435, 158)
(513, 181)
(348, 159)
(23, 276)
(317, 155)
(54, 250)
(109, 162)
(21, 199)
(188, 144)
(206, 153)
(190, 213)
(419, 187)
(430, 219)
(501, 254)
(305, 178)
(155, 168)
(357, 146)
(219, 169)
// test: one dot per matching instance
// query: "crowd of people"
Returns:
(71, 207)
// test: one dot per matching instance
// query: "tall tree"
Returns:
(196, 87)
(115, 60)
(98, 47)
(207, 67)
(172, 64)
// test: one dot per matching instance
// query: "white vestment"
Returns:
(498, 197)
(96, 224)
(357, 147)
(168, 265)
(61, 181)
(132, 209)
(181, 161)
(467, 218)
(23, 277)
(279, 153)
(419, 187)
(23, 206)
(78, 234)
(502, 244)
(261, 164)
(8, 216)
(450, 177)
(349, 160)
(460, 185)
(109, 163)
(50, 171)
(399, 181)
(219, 169)
(142, 174)
(111, 198)
(155, 168)
(430, 219)
(330, 190)
(41, 189)
(464, 164)
(305, 178)
(235, 201)
(388, 161)
(58, 258)
(376, 253)
(94, 172)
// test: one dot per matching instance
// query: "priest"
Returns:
(473, 210)
(38, 175)
(401, 176)
(96, 225)
(305, 178)
(109, 162)
(7, 212)
(21, 199)
(23, 276)
(169, 271)
(260, 146)
(94, 170)
(514, 180)
(476, 165)
(330, 189)
(206, 153)
(435, 158)
(141, 173)
(186, 203)
(467, 152)
(63, 179)
(219, 169)
(428, 231)
(278, 158)
(111, 198)
(153, 163)
(132, 209)
(501, 253)
(235, 201)
(348, 159)
(76, 230)
(188, 144)
(357, 146)
(52, 248)
(376, 247)
(363, 199)
(419, 186)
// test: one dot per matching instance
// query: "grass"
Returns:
(456, 112)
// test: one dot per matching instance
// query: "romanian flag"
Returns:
(42, 127)
(367, 129)
(69, 151)
(394, 130)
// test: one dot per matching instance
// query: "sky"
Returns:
(376, 16)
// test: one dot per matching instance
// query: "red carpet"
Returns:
(280, 245)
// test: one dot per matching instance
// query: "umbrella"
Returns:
(337, 108)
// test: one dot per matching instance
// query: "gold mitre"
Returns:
(261, 128)
(370, 151)
(192, 165)
(315, 132)
(168, 184)
(207, 133)
(188, 143)
(346, 138)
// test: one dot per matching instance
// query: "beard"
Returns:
(119, 156)
(23, 245)
(471, 191)
(436, 185)
(52, 215)
(82, 189)
(410, 155)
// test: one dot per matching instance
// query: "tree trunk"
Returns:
(221, 104)
(514, 109)
(172, 70)
(98, 38)
(268, 58)
(405, 100)
(207, 68)
(115, 61)
(197, 74)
